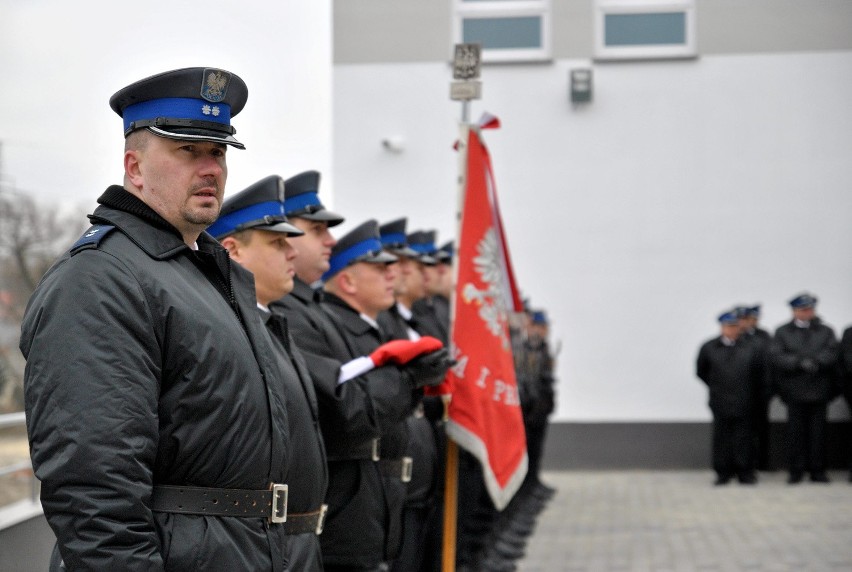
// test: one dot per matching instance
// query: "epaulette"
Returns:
(91, 238)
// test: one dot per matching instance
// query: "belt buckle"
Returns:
(279, 509)
(376, 455)
(407, 469)
(321, 519)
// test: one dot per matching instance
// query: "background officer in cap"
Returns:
(433, 311)
(354, 536)
(749, 318)
(253, 228)
(398, 322)
(733, 372)
(844, 363)
(358, 287)
(151, 387)
(803, 354)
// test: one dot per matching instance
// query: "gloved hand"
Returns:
(401, 352)
(397, 352)
(809, 365)
(429, 369)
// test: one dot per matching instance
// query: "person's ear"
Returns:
(232, 245)
(133, 167)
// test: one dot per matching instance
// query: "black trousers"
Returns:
(760, 427)
(806, 425)
(732, 446)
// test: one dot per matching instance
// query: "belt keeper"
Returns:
(407, 469)
(279, 510)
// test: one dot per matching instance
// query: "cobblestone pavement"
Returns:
(676, 521)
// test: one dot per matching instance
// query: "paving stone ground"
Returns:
(673, 521)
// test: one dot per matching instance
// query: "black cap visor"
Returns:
(381, 257)
(196, 134)
(271, 224)
(321, 215)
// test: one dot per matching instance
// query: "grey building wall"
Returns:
(393, 31)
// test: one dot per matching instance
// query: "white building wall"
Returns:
(683, 188)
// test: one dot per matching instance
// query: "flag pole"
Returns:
(466, 66)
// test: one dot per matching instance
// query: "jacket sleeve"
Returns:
(828, 352)
(702, 365)
(91, 392)
(343, 405)
(781, 357)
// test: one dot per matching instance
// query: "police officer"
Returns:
(749, 318)
(398, 322)
(355, 535)
(155, 407)
(845, 380)
(253, 228)
(803, 354)
(359, 286)
(733, 372)
(433, 311)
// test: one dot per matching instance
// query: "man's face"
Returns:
(731, 331)
(314, 248)
(411, 284)
(373, 286)
(432, 275)
(805, 314)
(445, 273)
(183, 181)
(269, 256)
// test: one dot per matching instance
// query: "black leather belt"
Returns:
(271, 504)
(368, 450)
(397, 468)
(305, 522)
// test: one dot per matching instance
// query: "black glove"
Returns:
(809, 365)
(429, 369)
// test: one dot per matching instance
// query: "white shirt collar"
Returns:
(404, 311)
(369, 320)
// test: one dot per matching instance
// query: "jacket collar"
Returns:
(147, 229)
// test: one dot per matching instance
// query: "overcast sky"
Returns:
(61, 61)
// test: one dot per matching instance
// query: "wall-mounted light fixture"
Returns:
(394, 144)
(581, 85)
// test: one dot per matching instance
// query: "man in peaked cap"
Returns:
(749, 318)
(733, 371)
(357, 533)
(358, 288)
(398, 322)
(803, 354)
(254, 229)
(433, 311)
(151, 386)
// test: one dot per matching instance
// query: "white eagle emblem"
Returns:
(491, 300)
(215, 85)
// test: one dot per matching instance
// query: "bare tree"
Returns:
(32, 236)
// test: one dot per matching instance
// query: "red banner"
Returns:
(484, 410)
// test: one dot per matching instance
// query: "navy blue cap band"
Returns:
(343, 259)
(182, 107)
(423, 247)
(230, 222)
(301, 202)
(393, 238)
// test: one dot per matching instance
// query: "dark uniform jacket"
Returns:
(844, 365)
(147, 364)
(432, 316)
(734, 374)
(790, 346)
(421, 447)
(307, 475)
(358, 530)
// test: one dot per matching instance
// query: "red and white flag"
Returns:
(484, 410)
